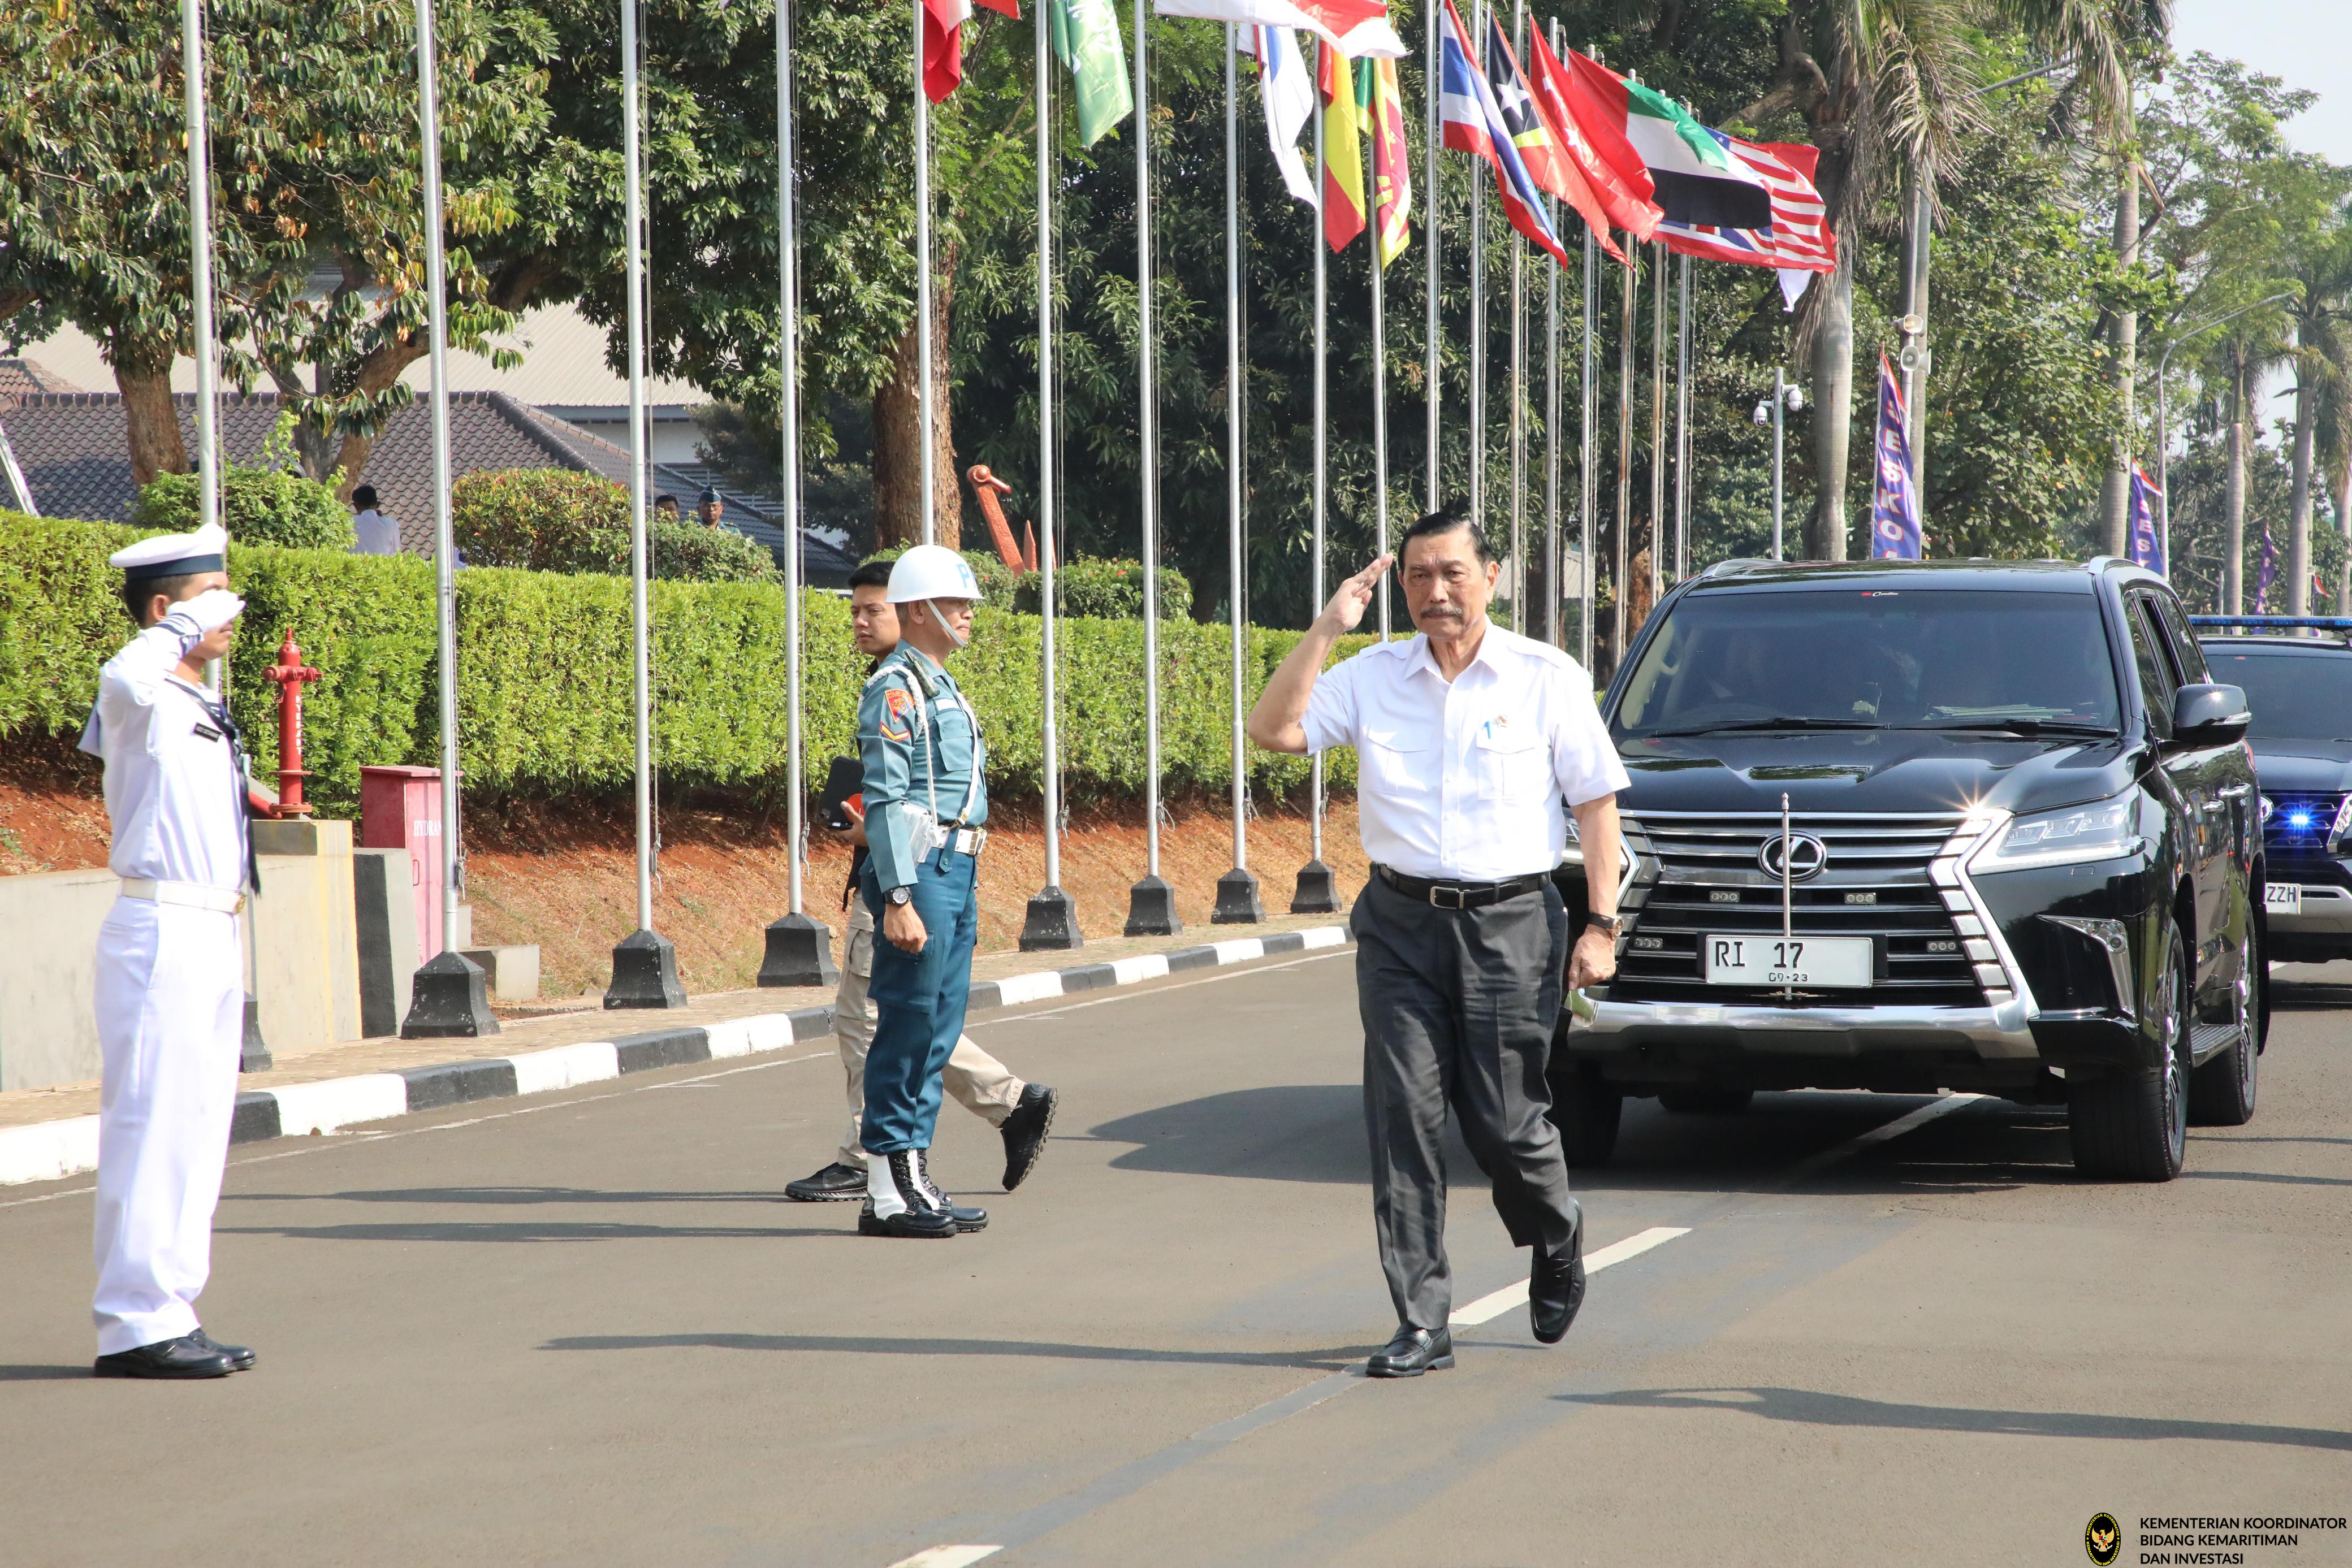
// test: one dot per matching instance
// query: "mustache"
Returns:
(1439, 612)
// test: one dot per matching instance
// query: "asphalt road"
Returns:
(583, 1329)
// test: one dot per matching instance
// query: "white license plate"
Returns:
(1751, 960)
(2282, 898)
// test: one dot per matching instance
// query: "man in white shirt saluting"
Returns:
(1468, 739)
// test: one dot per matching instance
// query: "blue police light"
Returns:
(2298, 819)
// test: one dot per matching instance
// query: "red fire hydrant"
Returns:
(291, 675)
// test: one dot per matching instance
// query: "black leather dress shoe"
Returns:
(837, 1183)
(187, 1356)
(1412, 1353)
(240, 1357)
(1025, 1131)
(912, 1224)
(1556, 1290)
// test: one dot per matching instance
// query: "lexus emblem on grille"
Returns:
(1807, 856)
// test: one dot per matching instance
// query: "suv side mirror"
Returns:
(2209, 715)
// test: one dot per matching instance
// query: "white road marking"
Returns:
(1486, 1309)
(948, 1557)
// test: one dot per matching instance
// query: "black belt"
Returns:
(1462, 894)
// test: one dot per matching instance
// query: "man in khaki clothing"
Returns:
(1022, 1113)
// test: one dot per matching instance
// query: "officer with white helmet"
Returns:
(926, 801)
(170, 992)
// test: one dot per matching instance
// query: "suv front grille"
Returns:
(1699, 874)
(2283, 832)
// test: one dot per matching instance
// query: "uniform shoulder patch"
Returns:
(898, 708)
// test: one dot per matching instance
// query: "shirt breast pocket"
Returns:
(1512, 769)
(1398, 761)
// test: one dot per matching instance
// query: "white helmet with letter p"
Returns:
(931, 571)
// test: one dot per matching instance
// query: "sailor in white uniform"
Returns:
(170, 992)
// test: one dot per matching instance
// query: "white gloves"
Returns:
(211, 609)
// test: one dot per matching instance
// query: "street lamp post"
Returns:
(1788, 398)
(2163, 437)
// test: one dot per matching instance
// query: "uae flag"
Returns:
(1473, 123)
(944, 23)
(1697, 181)
(1592, 138)
(1352, 28)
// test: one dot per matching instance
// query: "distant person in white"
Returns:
(1469, 738)
(377, 534)
(170, 991)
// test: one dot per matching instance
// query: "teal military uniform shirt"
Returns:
(924, 761)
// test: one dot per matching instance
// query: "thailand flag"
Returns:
(1473, 123)
(1895, 531)
(2144, 545)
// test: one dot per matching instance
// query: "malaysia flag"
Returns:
(1473, 123)
(1797, 244)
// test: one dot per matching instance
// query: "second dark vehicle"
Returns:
(1907, 827)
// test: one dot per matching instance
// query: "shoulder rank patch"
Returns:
(897, 705)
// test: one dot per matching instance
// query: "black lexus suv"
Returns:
(1981, 826)
(2300, 689)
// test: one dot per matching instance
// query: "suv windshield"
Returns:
(1929, 658)
(2294, 696)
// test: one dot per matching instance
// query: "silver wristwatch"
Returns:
(898, 895)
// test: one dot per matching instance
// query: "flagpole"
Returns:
(1478, 314)
(1150, 903)
(1658, 424)
(1052, 921)
(1237, 895)
(799, 950)
(1432, 81)
(1682, 427)
(1626, 324)
(1379, 378)
(1551, 442)
(923, 275)
(1588, 433)
(1317, 891)
(645, 965)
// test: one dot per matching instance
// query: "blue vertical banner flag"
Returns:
(1894, 529)
(2145, 546)
(2268, 575)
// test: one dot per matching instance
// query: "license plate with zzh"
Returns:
(2283, 897)
(1752, 960)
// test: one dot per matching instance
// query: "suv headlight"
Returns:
(2338, 828)
(2104, 830)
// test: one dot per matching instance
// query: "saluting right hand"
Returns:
(1348, 606)
(212, 610)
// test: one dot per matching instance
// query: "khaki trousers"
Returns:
(977, 1081)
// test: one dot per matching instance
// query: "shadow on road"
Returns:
(1810, 1408)
(503, 1195)
(548, 1230)
(1304, 1361)
(44, 1373)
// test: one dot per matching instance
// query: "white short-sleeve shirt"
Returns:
(1468, 779)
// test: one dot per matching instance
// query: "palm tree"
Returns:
(2323, 345)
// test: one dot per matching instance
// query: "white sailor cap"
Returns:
(175, 555)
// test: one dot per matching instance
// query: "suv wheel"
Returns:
(1705, 1102)
(2222, 1092)
(2132, 1124)
(1585, 1109)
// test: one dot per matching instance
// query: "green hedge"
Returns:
(544, 681)
(554, 519)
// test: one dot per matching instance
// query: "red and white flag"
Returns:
(1591, 139)
(1354, 28)
(944, 23)
(1799, 242)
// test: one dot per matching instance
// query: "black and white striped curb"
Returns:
(44, 1151)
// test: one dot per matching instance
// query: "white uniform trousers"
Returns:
(171, 1018)
(977, 1081)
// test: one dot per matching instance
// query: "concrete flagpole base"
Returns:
(1052, 925)
(449, 998)
(1151, 909)
(1319, 890)
(800, 953)
(1237, 900)
(645, 973)
(252, 1056)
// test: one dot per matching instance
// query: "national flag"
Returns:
(2268, 575)
(1538, 141)
(1696, 180)
(1282, 86)
(1799, 243)
(1392, 164)
(944, 23)
(1343, 155)
(2143, 545)
(1473, 123)
(1353, 27)
(1593, 139)
(1087, 42)
(1895, 527)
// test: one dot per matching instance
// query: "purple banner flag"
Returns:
(1894, 529)
(2144, 545)
(2269, 574)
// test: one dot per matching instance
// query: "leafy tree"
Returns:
(265, 502)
